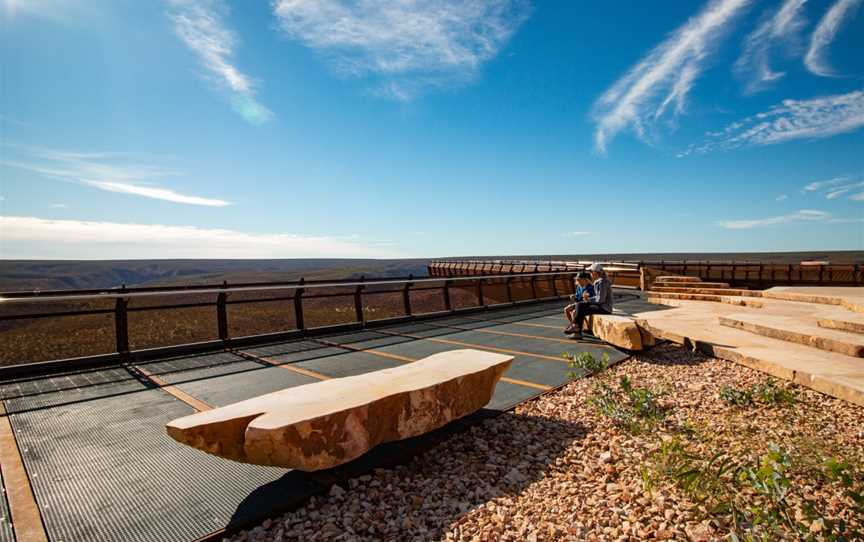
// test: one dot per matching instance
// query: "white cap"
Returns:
(596, 268)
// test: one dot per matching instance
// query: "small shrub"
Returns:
(736, 397)
(634, 409)
(586, 363)
(767, 393)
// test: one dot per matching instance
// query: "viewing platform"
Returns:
(84, 437)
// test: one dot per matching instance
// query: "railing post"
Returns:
(406, 296)
(121, 324)
(533, 287)
(480, 300)
(358, 303)
(446, 291)
(509, 289)
(222, 314)
(298, 306)
(855, 277)
(554, 285)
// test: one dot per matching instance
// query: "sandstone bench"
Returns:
(619, 331)
(328, 423)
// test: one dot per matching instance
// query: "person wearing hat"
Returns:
(599, 303)
(583, 285)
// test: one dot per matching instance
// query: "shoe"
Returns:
(571, 329)
(576, 336)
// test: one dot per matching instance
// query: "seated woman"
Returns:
(599, 303)
(583, 285)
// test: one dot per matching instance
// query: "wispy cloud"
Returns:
(199, 23)
(577, 233)
(857, 197)
(58, 206)
(825, 32)
(781, 197)
(111, 172)
(664, 77)
(799, 216)
(405, 46)
(779, 29)
(836, 187)
(820, 185)
(815, 118)
(33, 237)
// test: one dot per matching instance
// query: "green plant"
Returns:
(736, 397)
(634, 409)
(766, 393)
(769, 393)
(585, 363)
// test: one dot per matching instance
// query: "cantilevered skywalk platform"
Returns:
(94, 462)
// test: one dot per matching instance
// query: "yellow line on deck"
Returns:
(406, 359)
(190, 400)
(274, 363)
(472, 345)
(26, 520)
(505, 333)
(529, 324)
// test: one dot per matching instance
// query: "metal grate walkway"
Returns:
(102, 467)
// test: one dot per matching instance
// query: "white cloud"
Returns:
(199, 24)
(819, 185)
(106, 171)
(406, 45)
(754, 62)
(805, 215)
(33, 237)
(58, 206)
(838, 191)
(815, 118)
(825, 33)
(636, 100)
(836, 187)
(577, 233)
(156, 193)
(781, 197)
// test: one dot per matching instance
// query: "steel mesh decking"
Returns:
(103, 468)
(6, 534)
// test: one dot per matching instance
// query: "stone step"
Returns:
(795, 331)
(652, 296)
(842, 325)
(850, 298)
(715, 285)
(710, 291)
(677, 279)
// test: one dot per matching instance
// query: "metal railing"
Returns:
(530, 287)
(749, 273)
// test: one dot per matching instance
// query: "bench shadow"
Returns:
(508, 469)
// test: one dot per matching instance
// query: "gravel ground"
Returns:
(555, 469)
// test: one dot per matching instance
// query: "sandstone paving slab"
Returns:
(794, 329)
(697, 323)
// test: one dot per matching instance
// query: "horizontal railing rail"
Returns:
(510, 288)
(751, 273)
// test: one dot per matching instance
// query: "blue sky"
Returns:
(312, 128)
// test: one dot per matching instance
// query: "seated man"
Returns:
(599, 303)
(583, 285)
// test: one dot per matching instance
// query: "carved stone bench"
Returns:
(328, 423)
